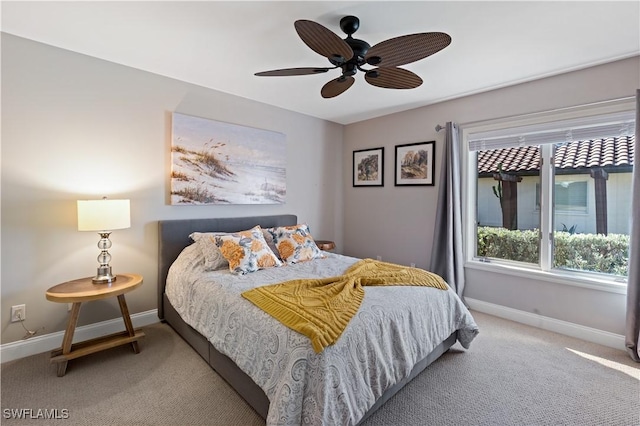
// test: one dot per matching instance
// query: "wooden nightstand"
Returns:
(325, 245)
(84, 290)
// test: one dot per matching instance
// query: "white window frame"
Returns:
(544, 271)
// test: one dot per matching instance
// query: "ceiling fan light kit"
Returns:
(351, 54)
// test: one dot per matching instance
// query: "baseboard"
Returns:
(589, 334)
(47, 342)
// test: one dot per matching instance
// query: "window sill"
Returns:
(607, 285)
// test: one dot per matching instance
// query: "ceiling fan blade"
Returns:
(292, 71)
(406, 49)
(323, 41)
(393, 78)
(336, 87)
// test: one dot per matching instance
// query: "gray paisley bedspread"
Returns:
(394, 329)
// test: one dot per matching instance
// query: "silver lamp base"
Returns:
(104, 276)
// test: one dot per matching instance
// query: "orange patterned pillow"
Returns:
(246, 251)
(295, 243)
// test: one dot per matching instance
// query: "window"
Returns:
(550, 192)
(569, 196)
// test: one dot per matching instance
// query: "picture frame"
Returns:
(415, 164)
(368, 167)
(213, 162)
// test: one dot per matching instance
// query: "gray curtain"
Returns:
(633, 282)
(446, 253)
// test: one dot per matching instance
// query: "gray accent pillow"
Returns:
(213, 258)
(268, 237)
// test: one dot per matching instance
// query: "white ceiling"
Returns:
(221, 45)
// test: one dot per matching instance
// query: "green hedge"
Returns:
(589, 252)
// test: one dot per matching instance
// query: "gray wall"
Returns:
(76, 127)
(397, 222)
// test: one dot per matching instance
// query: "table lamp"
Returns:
(103, 216)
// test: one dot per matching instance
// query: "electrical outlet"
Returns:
(413, 265)
(18, 313)
(378, 257)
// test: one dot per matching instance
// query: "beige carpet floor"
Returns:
(512, 375)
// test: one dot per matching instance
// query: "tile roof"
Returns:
(609, 152)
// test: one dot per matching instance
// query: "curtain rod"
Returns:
(439, 127)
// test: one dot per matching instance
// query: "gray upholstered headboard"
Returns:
(173, 237)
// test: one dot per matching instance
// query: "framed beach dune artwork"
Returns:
(221, 163)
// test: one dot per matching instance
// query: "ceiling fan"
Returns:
(352, 54)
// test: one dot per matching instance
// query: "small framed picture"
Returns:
(368, 167)
(415, 164)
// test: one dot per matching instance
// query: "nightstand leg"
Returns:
(127, 322)
(68, 337)
(62, 368)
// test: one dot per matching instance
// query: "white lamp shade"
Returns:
(103, 215)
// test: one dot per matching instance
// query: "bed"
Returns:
(258, 356)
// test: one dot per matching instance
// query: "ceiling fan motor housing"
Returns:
(359, 47)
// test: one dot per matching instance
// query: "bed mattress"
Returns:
(394, 328)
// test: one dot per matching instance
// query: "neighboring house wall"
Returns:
(76, 127)
(489, 213)
(618, 204)
(397, 222)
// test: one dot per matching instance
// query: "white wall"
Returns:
(76, 127)
(397, 222)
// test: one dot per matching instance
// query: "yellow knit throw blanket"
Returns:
(321, 308)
